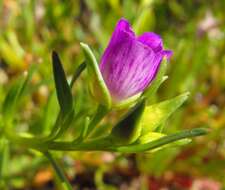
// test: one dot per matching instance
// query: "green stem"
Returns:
(103, 144)
(64, 181)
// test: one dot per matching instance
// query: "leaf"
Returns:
(127, 130)
(63, 91)
(162, 141)
(149, 137)
(98, 86)
(77, 73)
(157, 114)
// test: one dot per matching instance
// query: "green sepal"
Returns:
(159, 79)
(157, 114)
(63, 91)
(127, 130)
(97, 83)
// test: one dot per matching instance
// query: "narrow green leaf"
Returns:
(127, 130)
(64, 94)
(97, 83)
(149, 137)
(157, 114)
(162, 141)
(77, 73)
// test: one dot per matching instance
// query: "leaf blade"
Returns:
(63, 91)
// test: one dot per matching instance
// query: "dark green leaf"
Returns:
(64, 94)
(77, 73)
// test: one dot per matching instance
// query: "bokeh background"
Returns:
(193, 29)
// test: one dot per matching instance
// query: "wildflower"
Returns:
(130, 62)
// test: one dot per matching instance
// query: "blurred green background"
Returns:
(193, 29)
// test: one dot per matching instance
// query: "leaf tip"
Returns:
(54, 55)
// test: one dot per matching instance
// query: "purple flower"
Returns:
(130, 62)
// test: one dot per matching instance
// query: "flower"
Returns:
(130, 62)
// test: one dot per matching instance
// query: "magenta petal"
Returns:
(152, 40)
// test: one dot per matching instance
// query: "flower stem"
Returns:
(64, 181)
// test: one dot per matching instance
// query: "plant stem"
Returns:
(59, 172)
(103, 143)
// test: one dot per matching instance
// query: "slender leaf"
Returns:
(64, 94)
(162, 141)
(77, 73)
(149, 137)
